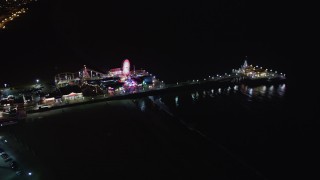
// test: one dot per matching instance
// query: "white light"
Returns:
(30, 173)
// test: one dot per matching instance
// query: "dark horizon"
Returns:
(175, 41)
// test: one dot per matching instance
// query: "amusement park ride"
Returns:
(86, 74)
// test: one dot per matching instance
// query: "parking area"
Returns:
(11, 166)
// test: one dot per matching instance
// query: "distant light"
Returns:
(30, 173)
(5, 85)
(5, 140)
(37, 80)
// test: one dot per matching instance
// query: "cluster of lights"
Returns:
(265, 73)
(11, 9)
(7, 5)
(11, 17)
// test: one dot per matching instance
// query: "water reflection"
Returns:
(142, 105)
(229, 88)
(204, 94)
(261, 92)
(271, 88)
(281, 90)
(193, 96)
(270, 92)
(252, 93)
(211, 93)
(177, 101)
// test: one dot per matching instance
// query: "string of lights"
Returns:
(12, 9)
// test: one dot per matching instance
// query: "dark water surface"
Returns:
(264, 126)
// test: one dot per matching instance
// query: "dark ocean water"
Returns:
(264, 126)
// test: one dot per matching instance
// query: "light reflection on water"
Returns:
(248, 93)
(177, 101)
(193, 96)
(236, 87)
(260, 93)
(142, 105)
(264, 92)
(281, 90)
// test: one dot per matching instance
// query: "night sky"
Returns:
(173, 40)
